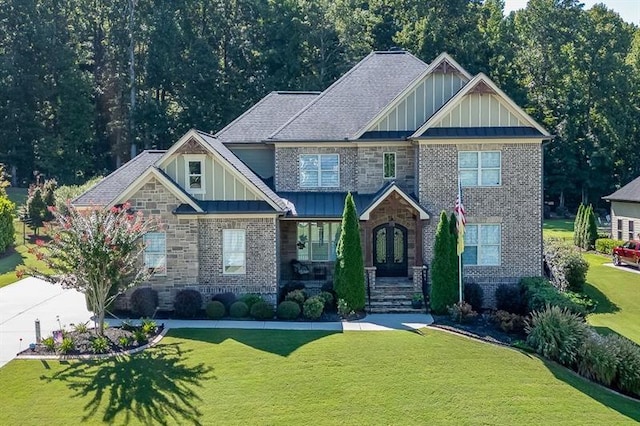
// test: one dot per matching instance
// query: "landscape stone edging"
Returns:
(150, 344)
(472, 336)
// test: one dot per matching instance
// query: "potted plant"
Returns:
(417, 301)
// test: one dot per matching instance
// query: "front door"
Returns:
(390, 250)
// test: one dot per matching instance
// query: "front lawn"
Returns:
(291, 377)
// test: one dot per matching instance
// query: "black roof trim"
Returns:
(222, 207)
(482, 132)
(390, 134)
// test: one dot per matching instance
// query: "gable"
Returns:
(433, 91)
(481, 110)
(219, 181)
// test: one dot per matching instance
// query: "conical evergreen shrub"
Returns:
(444, 287)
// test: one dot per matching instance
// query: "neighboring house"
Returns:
(625, 211)
(239, 206)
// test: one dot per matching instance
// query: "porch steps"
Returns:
(392, 296)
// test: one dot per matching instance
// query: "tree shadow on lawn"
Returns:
(153, 387)
(625, 406)
(605, 306)
(278, 342)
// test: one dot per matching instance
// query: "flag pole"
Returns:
(460, 277)
(460, 244)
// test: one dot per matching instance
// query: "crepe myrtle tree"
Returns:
(95, 251)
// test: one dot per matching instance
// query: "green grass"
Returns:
(17, 195)
(559, 228)
(252, 377)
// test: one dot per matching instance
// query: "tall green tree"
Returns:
(444, 286)
(577, 226)
(348, 277)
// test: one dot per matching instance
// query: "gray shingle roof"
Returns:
(242, 168)
(227, 207)
(629, 192)
(355, 99)
(265, 117)
(113, 185)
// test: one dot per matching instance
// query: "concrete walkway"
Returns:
(373, 322)
(30, 299)
(625, 268)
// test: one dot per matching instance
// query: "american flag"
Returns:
(460, 220)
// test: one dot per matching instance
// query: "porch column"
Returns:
(418, 258)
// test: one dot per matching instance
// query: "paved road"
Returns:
(30, 299)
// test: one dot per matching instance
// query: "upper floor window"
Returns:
(194, 171)
(389, 165)
(319, 170)
(482, 244)
(479, 168)
(234, 259)
(155, 252)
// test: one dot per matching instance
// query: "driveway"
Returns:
(30, 299)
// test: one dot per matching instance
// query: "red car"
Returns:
(628, 253)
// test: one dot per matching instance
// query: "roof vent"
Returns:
(396, 49)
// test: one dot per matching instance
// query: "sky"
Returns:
(629, 10)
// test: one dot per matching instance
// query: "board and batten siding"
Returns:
(481, 110)
(219, 182)
(422, 102)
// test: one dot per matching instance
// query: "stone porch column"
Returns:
(370, 274)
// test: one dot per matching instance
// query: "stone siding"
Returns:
(371, 172)
(516, 205)
(287, 171)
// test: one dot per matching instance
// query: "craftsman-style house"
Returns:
(259, 203)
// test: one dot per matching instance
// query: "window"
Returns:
(479, 168)
(619, 229)
(317, 241)
(234, 251)
(155, 253)
(482, 245)
(319, 170)
(389, 165)
(194, 170)
(631, 230)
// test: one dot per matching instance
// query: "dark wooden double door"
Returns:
(390, 250)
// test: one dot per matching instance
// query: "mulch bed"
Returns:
(480, 327)
(83, 346)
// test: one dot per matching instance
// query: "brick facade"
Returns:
(516, 205)
(287, 170)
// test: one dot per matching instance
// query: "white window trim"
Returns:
(319, 185)
(478, 245)
(195, 158)
(479, 169)
(224, 252)
(159, 274)
(395, 164)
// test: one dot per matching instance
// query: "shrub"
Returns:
(289, 287)
(539, 293)
(239, 309)
(628, 373)
(187, 303)
(556, 334)
(327, 297)
(226, 299)
(124, 341)
(140, 336)
(509, 322)
(444, 286)
(215, 310)
(511, 299)
(148, 326)
(7, 231)
(251, 299)
(144, 302)
(343, 309)
(461, 312)
(67, 345)
(606, 245)
(81, 327)
(49, 343)
(567, 266)
(262, 311)
(313, 307)
(288, 310)
(297, 296)
(598, 358)
(100, 345)
(474, 295)
(348, 276)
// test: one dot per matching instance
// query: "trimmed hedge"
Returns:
(606, 245)
(511, 299)
(539, 293)
(239, 309)
(187, 303)
(250, 299)
(298, 296)
(567, 266)
(215, 309)
(262, 311)
(313, 307)
(144, 301)
(474, 295)
(226, 299)
(288, 310)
